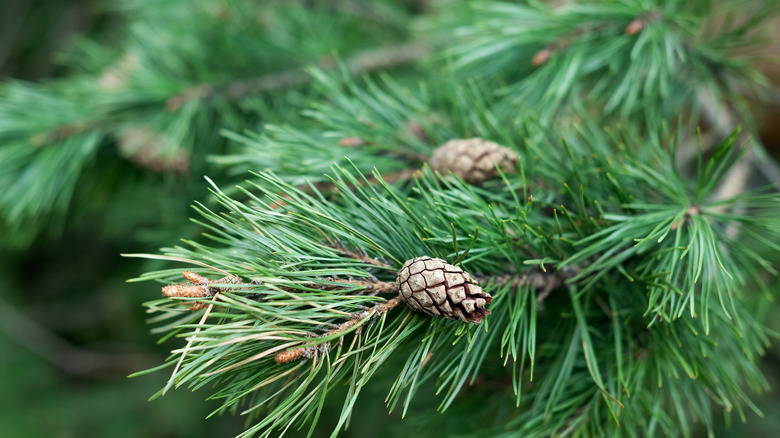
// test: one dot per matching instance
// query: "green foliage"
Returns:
(681, 49)
(610, 353)
(653, 326)
(654, 284)
(395, 126)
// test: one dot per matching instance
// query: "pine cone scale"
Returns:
(457, 294)
(438, 293)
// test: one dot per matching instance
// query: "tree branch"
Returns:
(367, 61)
(542, 281)
(312, 349)
(358, 255)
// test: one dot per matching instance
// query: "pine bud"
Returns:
(195, 278)
(198, 287)
(183, 290)
(351, 141)
(635, 27)
(474, 160)
(438, 288)
(541, 57)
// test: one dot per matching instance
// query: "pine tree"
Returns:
(530, 237)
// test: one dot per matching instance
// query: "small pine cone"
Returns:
(474, 160)
(438, 288)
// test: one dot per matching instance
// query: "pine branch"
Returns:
(365, 62)
(541, 281)
(117, 95)
(325, 252)
(355, 320)
(316, 261)
(622, 56)
(655, 328)
(361, 256)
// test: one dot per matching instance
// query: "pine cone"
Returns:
(437, 288)
(474, 160)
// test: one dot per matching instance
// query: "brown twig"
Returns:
(63, 131)
(561, 43)
(636, 26)
(367, 61)
(357, 254)
(543, 282)
(312, 349)
(371, 286)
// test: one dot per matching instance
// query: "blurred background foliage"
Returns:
(71, 329)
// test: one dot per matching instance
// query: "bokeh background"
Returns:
(72, 329)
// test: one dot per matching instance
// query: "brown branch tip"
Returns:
(639, 23)
(198, 287)
(541, 56)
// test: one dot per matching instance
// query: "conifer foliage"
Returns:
(530, 238)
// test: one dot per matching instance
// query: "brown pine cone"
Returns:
(438, 288)
(474, 160)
